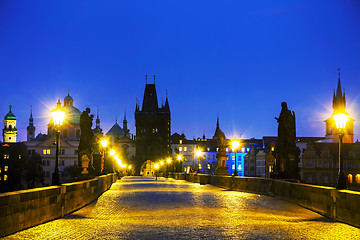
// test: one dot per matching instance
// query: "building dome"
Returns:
(72, 115)
(10, 115)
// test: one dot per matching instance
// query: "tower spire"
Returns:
(97, 119)
(145, 79)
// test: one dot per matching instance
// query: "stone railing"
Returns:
(27, 208)
(341, 205)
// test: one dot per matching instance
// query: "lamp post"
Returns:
(104, 144)
(179, 157)
(340, 120)
(162, 163)
(235, 144)
(112, 153)
(198, 154)
(58, 115)
(167, 167)
(156, 166)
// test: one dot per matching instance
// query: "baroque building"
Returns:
(152, 129)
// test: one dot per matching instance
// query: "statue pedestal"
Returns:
(85, 161)
(221, 171)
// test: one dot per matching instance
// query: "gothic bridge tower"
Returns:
(152, 128)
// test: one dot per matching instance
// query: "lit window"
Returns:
(357, 178)
(208, 149)
(46, 151)
(350, 178)
(208, 166)
(180, 141)
(180, 149)
(5, 177)
(185, 149)
(227, 149)
(6, 168)
(243, 149)
(217, 149)
(6, 156)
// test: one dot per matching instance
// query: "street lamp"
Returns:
(340, 120)
(156, 166)
(58, 115)
(198, 154)
(179, 157)
(104, 144)
(235, 144)
(167, 166)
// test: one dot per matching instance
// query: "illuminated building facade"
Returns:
(43, 144)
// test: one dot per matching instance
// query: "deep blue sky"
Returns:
(235, 59)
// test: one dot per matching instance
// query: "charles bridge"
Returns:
(183, 206)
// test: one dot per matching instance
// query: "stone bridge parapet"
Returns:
(27, 208)
(340, 205)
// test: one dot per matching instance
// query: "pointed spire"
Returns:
(31, 120)
(145, 79)
(154, 79)
(339, 101)
(217, 122)
(116, 119)
(31, 111)
(167, 106)
(125, 124)
(10, 108)
(97, 119)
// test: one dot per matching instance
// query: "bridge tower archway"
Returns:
(147, 168)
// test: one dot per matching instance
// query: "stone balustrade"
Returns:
(27, 208)
(340, 205)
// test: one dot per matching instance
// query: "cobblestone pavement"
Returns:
(142, 208)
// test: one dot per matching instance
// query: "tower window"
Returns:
(6, 156)
(46, 151)
(10, 126)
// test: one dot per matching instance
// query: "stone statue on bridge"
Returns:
(286, 152)
(86, 141)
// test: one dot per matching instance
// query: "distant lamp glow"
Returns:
(161, 162)
(58, 114)
(104, 143)
(116, 157)
(129, 167)
(112, 152)
(340, 120)
(235, 144)
(168, 160)
(179, 157)
(198, 152)
(156, 166)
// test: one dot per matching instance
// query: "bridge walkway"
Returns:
(142, 208)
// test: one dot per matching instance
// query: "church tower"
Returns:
(9, 131)
(339, 106)
(31, 128)
(152, 128)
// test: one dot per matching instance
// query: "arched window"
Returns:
(350, 178)
(10, 126)
(357, 178)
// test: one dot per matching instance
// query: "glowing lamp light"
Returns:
(116, 157)
(156, 166)
(112, 152)
(179, 157)
(235, 144)
(198, 153)
(58, 114)
(129, 167)
(104, 143)
(161, 163)
(168, 160)
(340, 120)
